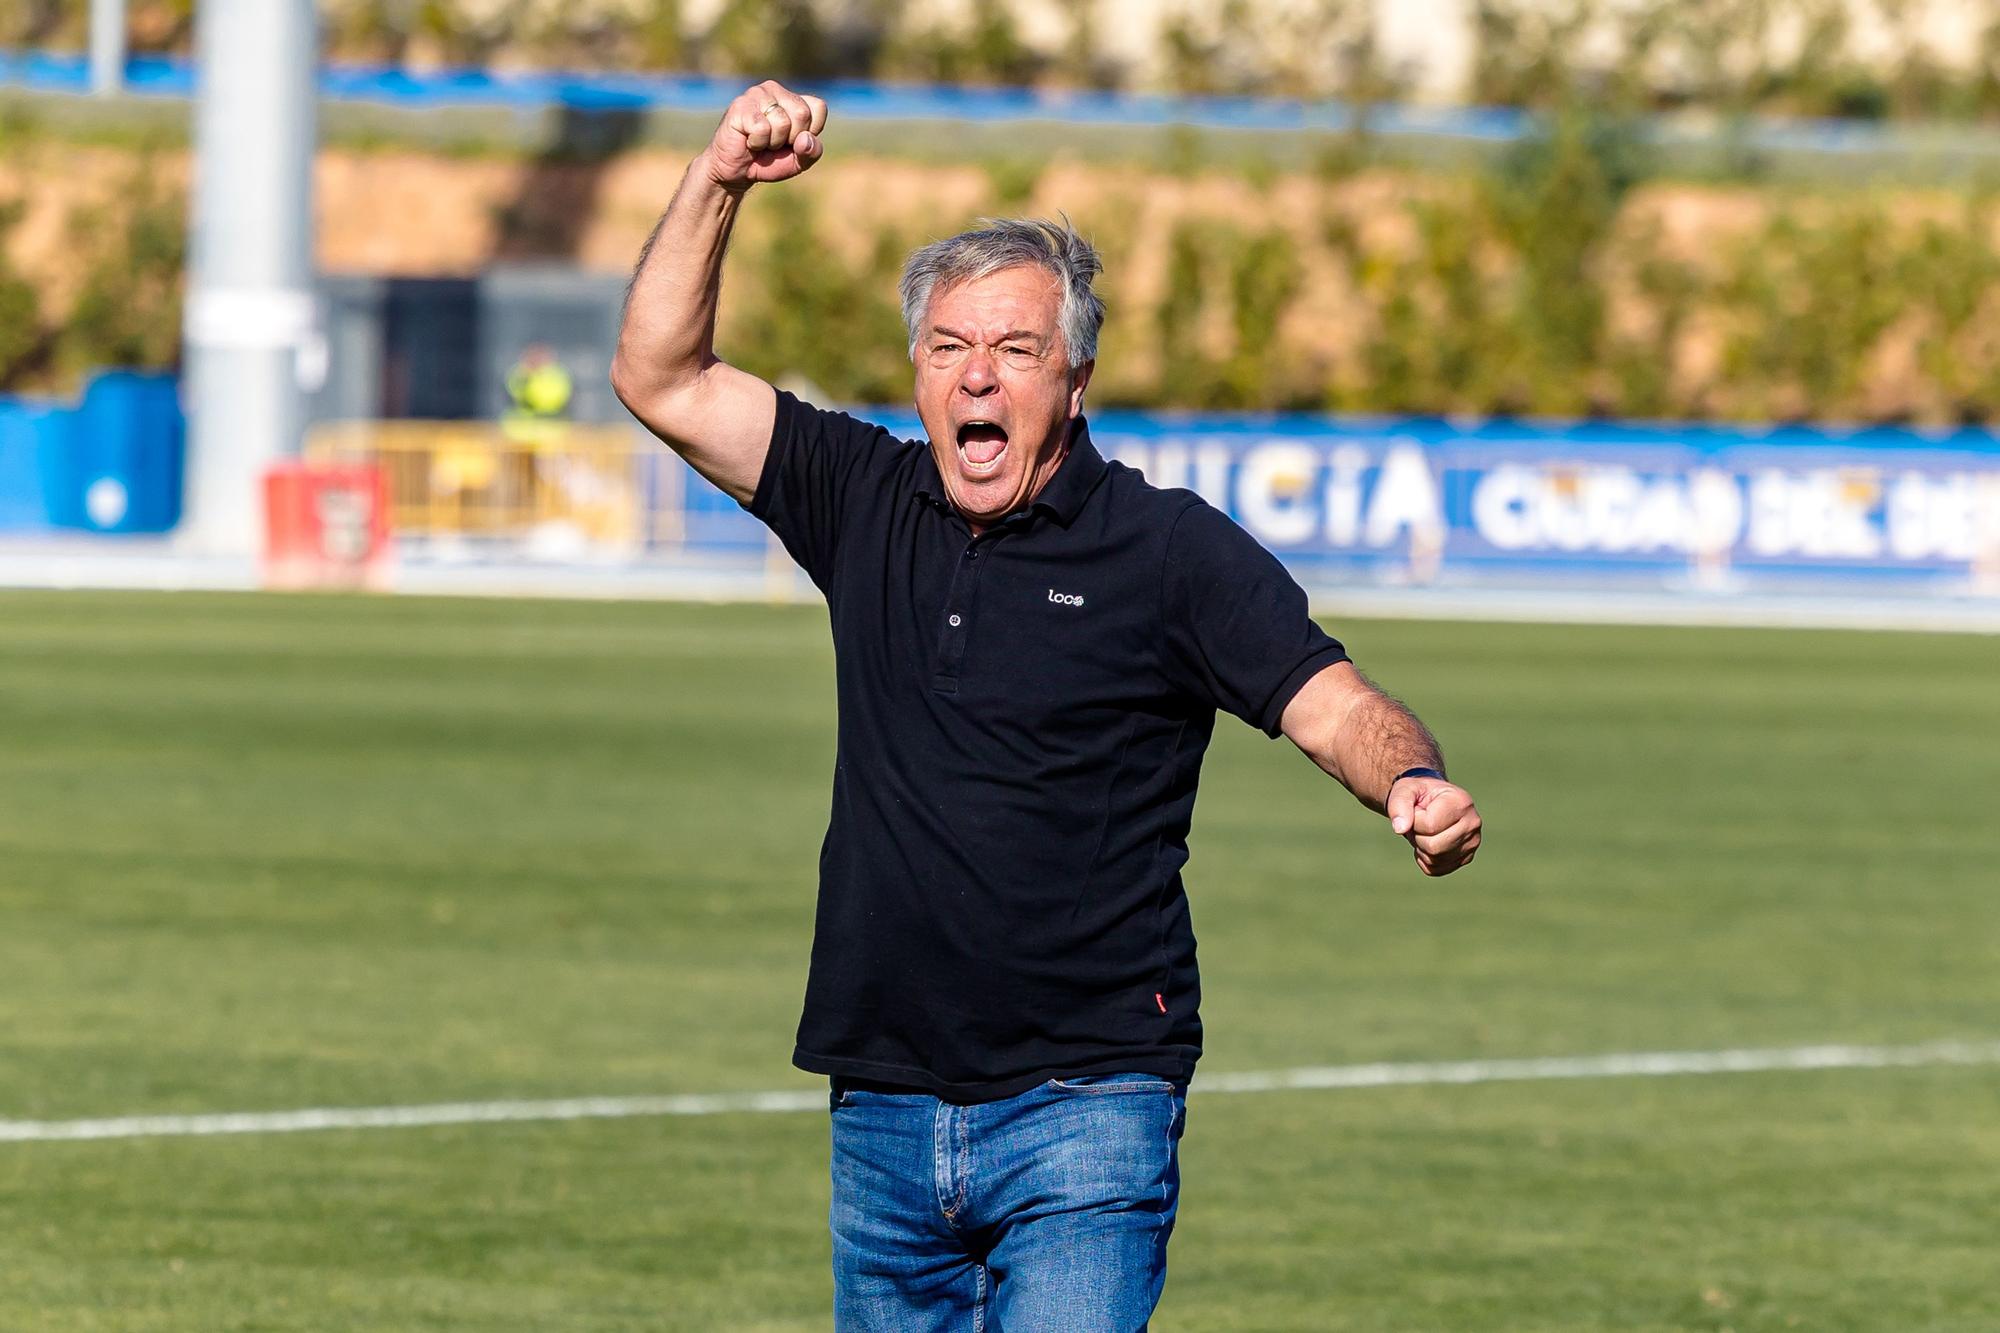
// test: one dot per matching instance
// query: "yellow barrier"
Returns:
(545, 483)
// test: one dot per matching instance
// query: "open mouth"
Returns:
(981, 444)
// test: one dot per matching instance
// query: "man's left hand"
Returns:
(1436, 818)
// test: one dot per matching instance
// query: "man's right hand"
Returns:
(770, 133)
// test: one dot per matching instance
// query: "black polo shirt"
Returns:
(1022, 722)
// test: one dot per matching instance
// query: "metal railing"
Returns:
(561, 488)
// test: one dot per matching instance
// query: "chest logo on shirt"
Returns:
(1066, 598)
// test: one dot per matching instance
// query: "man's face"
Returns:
(995, 390)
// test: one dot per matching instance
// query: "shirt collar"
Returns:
(1062, 498)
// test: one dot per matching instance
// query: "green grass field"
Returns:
(259, 853)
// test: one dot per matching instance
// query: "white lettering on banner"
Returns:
(1931, 516)
(1825, 513)
(1772, 522)
(1566, 519)
(1212, 464)
(1276, 502)
(1516, 506)
(1274, 493)
(1406, 499)
(1203, 469)
(1503, 507)
(1132, 454)
(1618, 513)
(1346, 494)
(1715, 503)
(1948, 516)
(1343, 494)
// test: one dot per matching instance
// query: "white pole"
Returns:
(107, 46)
(252, 324)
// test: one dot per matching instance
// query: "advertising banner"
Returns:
(1508, 503)
(1425, 500)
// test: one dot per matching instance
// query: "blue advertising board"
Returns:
(1422, 500)
(110, 463)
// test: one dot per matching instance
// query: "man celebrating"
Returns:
(1031, 646)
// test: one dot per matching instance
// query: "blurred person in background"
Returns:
(1031, 647)
(539, 388)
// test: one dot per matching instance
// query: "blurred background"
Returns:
(319, 909)
(1689, 308)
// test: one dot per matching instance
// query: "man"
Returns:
(1031, 645)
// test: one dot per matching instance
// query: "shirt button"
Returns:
(953, 622)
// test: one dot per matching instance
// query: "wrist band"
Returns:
(1414, 773)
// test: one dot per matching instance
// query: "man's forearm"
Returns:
(1361, 736)
(668, 335)
(1379, 739)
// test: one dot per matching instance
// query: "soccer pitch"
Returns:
(264, 853)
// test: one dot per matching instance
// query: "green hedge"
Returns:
(1546, 287)
(1549, 285)
(128, 256)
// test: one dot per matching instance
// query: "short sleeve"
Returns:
(823, 472)
(1238, 634)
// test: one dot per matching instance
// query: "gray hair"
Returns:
(1004, 243)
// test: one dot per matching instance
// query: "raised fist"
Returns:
(1438, 819)
(768, 134)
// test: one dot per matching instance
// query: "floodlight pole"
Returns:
(251, 325)
(107, 46)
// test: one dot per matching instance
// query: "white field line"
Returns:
(1644, 1064)
(1650, 1064)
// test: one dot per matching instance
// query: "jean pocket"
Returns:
(1098, 1085)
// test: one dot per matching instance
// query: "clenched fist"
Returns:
(1436, 818)
(768, 134)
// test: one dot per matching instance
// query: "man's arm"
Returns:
(1364, 738)
(717, 417)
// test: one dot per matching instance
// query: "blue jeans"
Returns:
(1043, 1212)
